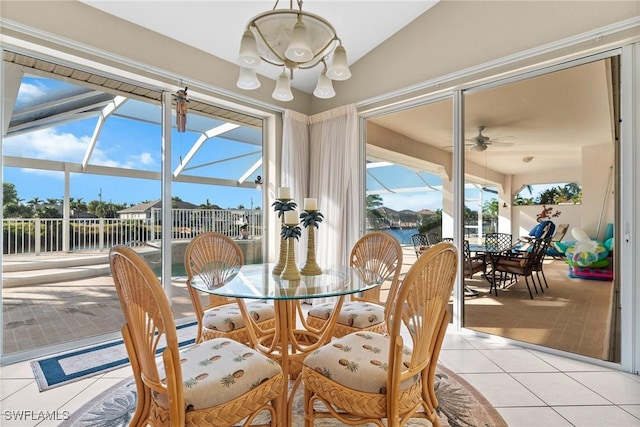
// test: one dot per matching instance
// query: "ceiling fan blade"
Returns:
(500, 143)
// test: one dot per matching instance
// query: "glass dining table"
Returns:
(291, 339)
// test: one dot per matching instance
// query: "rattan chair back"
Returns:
(419, 309)
(380, 253)
(212, 258)
(420, 305)
(148, 320)
(149, 324)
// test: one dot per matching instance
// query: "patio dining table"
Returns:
(291, 339)
(493, 254)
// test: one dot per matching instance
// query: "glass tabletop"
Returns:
(257, 281)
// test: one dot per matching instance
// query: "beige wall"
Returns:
(457, 35)
(452, 36)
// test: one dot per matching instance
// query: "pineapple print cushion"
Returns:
(357, 361)
(223, 365)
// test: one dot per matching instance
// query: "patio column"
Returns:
(66, 208)
(447, 208)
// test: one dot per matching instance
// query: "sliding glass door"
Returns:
(537, 147)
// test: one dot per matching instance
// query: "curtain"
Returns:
(334, 180)
(295, 165)
(295, 154)
(320, 160)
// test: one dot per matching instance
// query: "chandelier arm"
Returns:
(264, 41)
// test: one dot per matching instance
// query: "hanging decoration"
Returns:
(181, 109)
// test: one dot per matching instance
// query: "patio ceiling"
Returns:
(550, 118)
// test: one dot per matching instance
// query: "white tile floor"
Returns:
(528, 388)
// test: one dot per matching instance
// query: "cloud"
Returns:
(414, 201)
(146, 159)
(47, 144)
(28, 92)
(65, 147)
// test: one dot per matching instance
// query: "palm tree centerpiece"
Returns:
(289, 233)
(310, 220)
(281, 206)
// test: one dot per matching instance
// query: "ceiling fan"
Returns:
(481, 142)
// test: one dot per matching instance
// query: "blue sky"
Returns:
(136, 144)
(123, 143)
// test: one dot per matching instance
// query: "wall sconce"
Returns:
(504, 205)
(258, 182)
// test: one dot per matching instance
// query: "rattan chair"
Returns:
(366, 376)
(215, 258)
(378, 252)
(217, 383)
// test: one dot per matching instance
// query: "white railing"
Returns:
(46, 235)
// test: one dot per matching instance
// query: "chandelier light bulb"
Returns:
(249, 56)
(282, 91)
(248, 79)
(324, 88)
(339, 69)
(298, 49)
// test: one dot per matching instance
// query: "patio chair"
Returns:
(178, 389)
(379, 377)
(523, 264)
(381, 253)
(501, 241)
(473, 263)
(420, 243)
(215, 258)
(552, 251)
(541, 230)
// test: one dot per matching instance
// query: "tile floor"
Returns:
(528, 388)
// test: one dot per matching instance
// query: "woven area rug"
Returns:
(460, 405)
(61, 369)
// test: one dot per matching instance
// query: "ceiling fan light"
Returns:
(339, 69)
(282, 92)
(248, 56)
(298, 49)
(324, 88)
(248, 79)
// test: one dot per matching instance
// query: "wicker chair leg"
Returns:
(308, 408)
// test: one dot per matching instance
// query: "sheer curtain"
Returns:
(320, 160)
(334, 180)
(295, 154)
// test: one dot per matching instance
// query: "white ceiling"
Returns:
(216, 26)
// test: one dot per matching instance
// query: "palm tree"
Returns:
(374, 201)
(34, 202)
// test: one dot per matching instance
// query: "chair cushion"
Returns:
(218, 371)
(228, 317)
(355, 314)
(358, 361)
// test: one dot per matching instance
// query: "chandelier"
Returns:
(294, 40)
